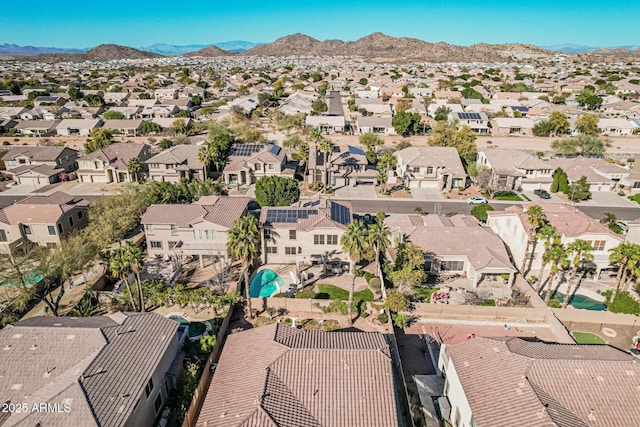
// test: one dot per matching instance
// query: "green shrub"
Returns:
(623, 303)
(306, 294)
(280, 295)
(359, 273)
(489, 303)
(335, 293)
(400, 320)
(383, 318)
(368, 276)
(375, 283)
(554, 303)
(425, 293)
(336, 306)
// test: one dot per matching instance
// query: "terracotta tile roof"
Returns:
(599, 388)
(117, 155)
(314, 381)
(222, 211)
(37, 153)
(591, 168)
(179, 154)
(446, 157)
(41, 209)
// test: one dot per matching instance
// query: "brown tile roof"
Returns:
(221, 210)
(185, 153)
(41, 209)
(582, 385)
(581, 166)
(46, 153)
(117, 155)
(82, 361)
(315, 380)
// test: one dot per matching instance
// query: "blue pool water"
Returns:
(30, 278)
(265, 283)
(580, 301)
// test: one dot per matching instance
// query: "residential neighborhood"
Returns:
(306, 237)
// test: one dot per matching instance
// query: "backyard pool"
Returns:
(581, 302)
(30, 278)
(195, 329)
(265, 283)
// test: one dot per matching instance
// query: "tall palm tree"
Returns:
(580, 250)
(205, 156)
(550, 236)
(134, 166)
(536, 216)
(243, 243)
(326, 145)
(136, 257)
(379, 235)
(557, 257)
(382, 178)
(355, 243)
(120, 267)
(622, 255)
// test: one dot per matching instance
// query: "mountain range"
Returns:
(376, 47)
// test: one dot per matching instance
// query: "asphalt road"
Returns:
(461, 207)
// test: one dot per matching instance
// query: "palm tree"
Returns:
(382, 178)
(557, 257)
(134, 166)
(204, 157)
(243, 244)
(623, 254)
(379, 235)
(536, 217)
(355, 243)
(581, 251)
(550, 236)
(136, 256)
(326, 145)
(315, 134)
(120, 267)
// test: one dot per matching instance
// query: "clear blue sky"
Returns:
(73, 23)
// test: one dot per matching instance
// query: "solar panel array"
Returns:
(313, 203)
(469, 116)
(274, 150)
(289, 215)
(356, 150)
(340, 213)
(245, 150)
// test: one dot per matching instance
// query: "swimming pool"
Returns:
(195, 330)
(30, 278)
(265, 283)
(581, 302)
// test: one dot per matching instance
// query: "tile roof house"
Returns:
(75, 127)
(36, 128)
(377, 125)
(125, 127)
(110, 164)
(430, 167)
(348, 165)
(302, 378)
(515, 169)
(100, 371)
(326, 124)
(39, 166)
(616, 127)
(510, 126)
(513, 228)
(176, 163)
(507, 381)
(247, 163)
(43, 220)
(307, 232)
(478, 122)
(601, 175)
(198, 229)
(457, 245)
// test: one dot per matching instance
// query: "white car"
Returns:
(477, 200)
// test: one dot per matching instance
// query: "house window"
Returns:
(429, 170)
(636, 184)
(3, 236)
(172, 245)
(149, 229)
(272, 249)
(174, 229)
(158, 403)
(26, 229)
(427, 265)
(318, 239)
(71, 221)
(80, 215)
(452, 265)
(51, 245)
(59, 228)
(155, 244)
(149, 388)
(598, 245)
(332, 239)
(271, 166)
(258, 166)
(292, 235)
(52, 230)
(290, 250)
(267, 233)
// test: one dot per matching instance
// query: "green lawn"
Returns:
(635, 198)
(587, 338)
(425, 293)
(333, 292)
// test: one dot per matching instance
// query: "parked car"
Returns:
(478, 200)
(543, 194)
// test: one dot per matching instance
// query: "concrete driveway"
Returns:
(608, 198)
(427, 194)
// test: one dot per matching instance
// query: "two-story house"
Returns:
(43, 220)
(198, 229)
(601, 175)
(306, 233)
(176, 163)
(349, 166)
(39, 166)
(247, 163)
(515, 170)
(478, 122)
(115, 370)
(110, 164)
(457, 245)
(431, 167)
(513, 228)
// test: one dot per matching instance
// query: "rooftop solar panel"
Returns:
(275, 150)
(289, 215)
(245, 150)
(340, 213)
(469, 116)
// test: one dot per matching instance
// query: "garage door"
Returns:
(414, 184)
(428, 184)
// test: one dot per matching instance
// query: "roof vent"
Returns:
(592, 415)
(33, 347)
(7, 347)
(70, 337)
(543, 411)
(466, 364)
(16, 387)
(17, 336)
